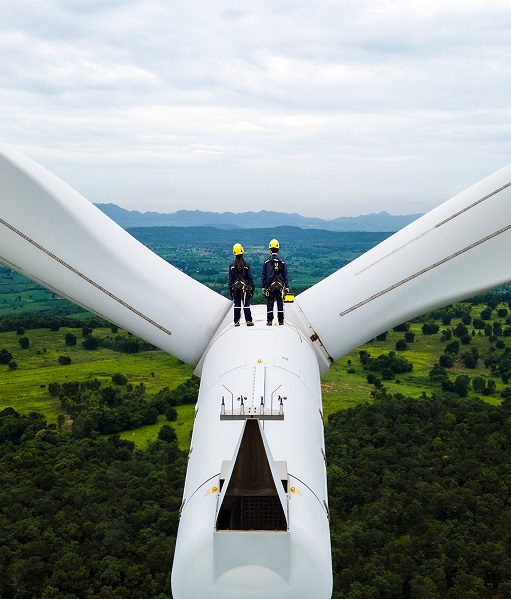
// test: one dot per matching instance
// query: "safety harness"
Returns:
(275, 284)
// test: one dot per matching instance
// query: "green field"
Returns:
(345, 385)
(19, 297)
(26, 388)
(183, 427)
(343, 389)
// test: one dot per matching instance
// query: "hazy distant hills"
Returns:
(383, 221)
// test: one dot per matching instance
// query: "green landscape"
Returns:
(95, 426)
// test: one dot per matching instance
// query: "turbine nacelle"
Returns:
(255, 499)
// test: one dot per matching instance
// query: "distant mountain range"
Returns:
(383, 221)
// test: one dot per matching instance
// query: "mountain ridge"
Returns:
(382, 221)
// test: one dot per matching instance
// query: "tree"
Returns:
(430, 328)
(364, 356)
(478, 384)
(491, 387)
(478, 323)
(452, 348)
(470, 358)
(119, 379)
(466, 319)
(486, 313)
(468, 586)
(5, 356)
(167, 434)
(171, 413)
(461, 385)
(422, 587)
(438, 373)
(24, 342)
(54, 389)
(70, 339)
(446, 361)
(466, 339)
(91, 342)
(497, 328)
(362, 591)
(460, 330)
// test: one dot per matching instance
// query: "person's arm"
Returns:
(250, 278)
(286, 282)
(231, 279)
(263, 276)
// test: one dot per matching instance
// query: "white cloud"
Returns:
(340, 106)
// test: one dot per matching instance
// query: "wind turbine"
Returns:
(254, 518)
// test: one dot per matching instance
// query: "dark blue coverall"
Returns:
(274, 282)
(239, 295)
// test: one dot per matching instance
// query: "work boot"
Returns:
(281, 323)
(250, 323)
(269, 323)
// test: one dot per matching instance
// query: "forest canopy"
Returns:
(85, 517)
(420, 498)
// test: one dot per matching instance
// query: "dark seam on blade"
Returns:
(425, 270)
(84, 277)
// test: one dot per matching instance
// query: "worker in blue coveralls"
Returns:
(274, 283)
(241, 285)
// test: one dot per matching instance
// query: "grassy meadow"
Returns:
(26, 388)
(345, 385)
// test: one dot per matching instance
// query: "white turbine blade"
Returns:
(54, 236)
(459, 249)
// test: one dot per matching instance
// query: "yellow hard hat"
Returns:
(237, 249)
(274, 244)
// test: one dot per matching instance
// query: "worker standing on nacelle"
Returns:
(241, 285)
(274, 283)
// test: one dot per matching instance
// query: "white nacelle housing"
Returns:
(249, 549)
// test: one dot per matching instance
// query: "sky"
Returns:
(325, 108)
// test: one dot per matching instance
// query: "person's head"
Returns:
(237, 249)
(239, 260)
(274, 246)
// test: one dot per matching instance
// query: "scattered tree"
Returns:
(5, 356)
(70, 339)
(119, 379)
(24, 342)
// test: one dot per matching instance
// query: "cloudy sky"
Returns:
(327, 108)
